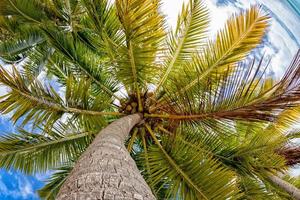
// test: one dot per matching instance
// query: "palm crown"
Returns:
(214, 126)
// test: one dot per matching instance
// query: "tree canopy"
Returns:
(215, 126)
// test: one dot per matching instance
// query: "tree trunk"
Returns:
(289, 188)
(106, 169)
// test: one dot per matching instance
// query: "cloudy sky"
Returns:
(281, 43)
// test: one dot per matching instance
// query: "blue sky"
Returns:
(15, 185)
(281, 44)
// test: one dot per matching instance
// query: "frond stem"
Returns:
(56, 67)
(143, 133)
(177, 117)
(171, 65)
(23, 14)
(134, 74)
(59, 107)
(132, 139)
(46, 143)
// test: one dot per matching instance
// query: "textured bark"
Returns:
(289, 188)
(106, 169)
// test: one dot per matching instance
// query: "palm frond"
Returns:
(51, 189)
(104, 26)
(43, 105)
(251, 150)
(241, 34)
(104, 19)
(30, 11)
(35, 152)
(252, 188)
(247, 149)
(292, 180)
(79, 97)
(244, 95)
(186, 174)
(16, 49)
(142, 25)
(88, 63)
(187, 39)
(37, 60)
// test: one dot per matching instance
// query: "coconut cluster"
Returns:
(130, 104)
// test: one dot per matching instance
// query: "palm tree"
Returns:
(123, 108)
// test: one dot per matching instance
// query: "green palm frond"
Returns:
(20, 41)
(88, 63)
(251, 153)
(293, 180)
(12, 49)
(286, 120)
(275, 191)
(187, 39)
(252, 188)
(31, 99)
(44, 106)
(104, 20)
(293, 134)
(59, 67)
(31, 11)
(35, 152)
(186, 174)
(247, 149)
(51, 189)
(36, 61)
(142, 25)
(80, 96)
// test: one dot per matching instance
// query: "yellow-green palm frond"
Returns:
(285, 122)
(187, 174)
(32, 101)
(143, 27)
(240, 36)
(15, 50)
(103, 28)
(36, 152)
(249, 149)
(188, 38)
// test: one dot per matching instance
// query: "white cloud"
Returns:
(43, 176)
(171, 9)
(23, 188)
(219, 15)
(295, 171)
(3, 90)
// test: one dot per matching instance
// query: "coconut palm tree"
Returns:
(121, 107)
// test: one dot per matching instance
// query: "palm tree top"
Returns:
(202, 100)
